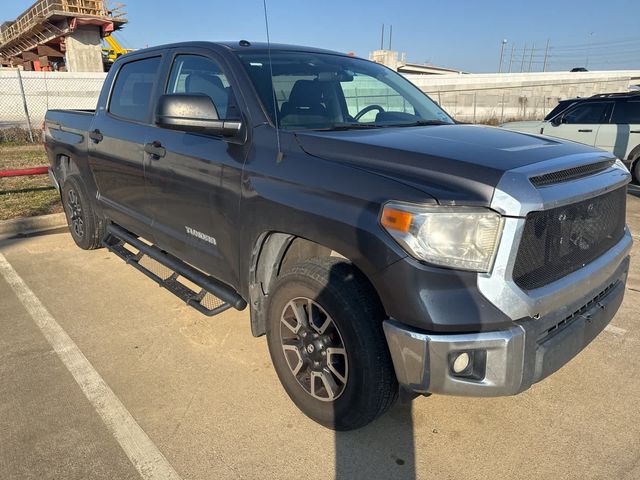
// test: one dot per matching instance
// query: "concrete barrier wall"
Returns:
(474, 97)
(501, 97)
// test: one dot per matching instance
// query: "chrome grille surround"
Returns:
(514, 197)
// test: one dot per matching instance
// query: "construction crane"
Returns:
(114, 50)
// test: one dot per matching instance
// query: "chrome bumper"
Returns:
(515, 358)
(515, 197)
(422, 362)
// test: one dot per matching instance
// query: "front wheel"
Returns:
(327, 345)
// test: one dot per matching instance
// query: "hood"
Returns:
(452, 163)
(529, 124)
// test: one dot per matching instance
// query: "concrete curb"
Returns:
(28, 225)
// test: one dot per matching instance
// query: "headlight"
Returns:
(465, 238)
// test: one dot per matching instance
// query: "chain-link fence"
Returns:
(25, 97)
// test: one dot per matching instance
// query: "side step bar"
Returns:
(214, 297)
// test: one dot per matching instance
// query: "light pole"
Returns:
(546, 56)
(586, 62)
(504, 42)
(513, 51)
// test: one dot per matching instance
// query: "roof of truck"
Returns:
(244, 45)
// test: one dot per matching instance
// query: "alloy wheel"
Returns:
(314, 349)
(74, 209)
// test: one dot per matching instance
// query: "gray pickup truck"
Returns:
(379, 245)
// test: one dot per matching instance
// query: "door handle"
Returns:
(96, 136)
(634, 131)
(155, 150)
(585, 131)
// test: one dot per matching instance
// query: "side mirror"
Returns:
(556, 121)
(194, 113)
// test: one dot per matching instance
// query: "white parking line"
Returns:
(615, 330)
(142, 452)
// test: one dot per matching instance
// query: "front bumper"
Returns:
(514, 358)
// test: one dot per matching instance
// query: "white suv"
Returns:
(607, 121)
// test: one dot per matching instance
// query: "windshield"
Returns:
(332, 92)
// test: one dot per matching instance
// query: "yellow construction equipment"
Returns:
(113, 51)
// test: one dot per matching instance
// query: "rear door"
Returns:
(117, 141)
(622, 135)
(195, 186)
(581, 122)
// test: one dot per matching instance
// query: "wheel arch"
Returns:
(272, 254)
(634, 155)
(65, 164)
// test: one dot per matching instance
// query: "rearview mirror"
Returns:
(194, 113)
(339, 76)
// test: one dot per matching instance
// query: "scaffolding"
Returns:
(50, 20)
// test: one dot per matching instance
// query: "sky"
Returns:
(464, 34)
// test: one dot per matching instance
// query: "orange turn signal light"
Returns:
(396, 219)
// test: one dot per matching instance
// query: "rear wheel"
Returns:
(87, 229)
(327, 344)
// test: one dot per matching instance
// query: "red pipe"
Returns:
(24, 171)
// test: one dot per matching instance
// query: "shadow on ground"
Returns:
(384, 449)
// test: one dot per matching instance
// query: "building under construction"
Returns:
(62, 35)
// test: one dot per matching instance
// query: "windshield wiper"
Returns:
(366, 126)
(347, 126)
(420, 123)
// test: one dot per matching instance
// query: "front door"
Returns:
(195, 186)
(581, 123)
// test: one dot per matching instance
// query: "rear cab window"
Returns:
(132, 90)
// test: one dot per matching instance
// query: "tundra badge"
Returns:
(201, 236)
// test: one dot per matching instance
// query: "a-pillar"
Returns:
(84, 50)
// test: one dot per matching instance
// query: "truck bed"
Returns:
(70, 127)
(70, 119)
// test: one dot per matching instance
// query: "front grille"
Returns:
(570, 173)
(559, 241)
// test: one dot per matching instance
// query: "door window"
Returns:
(197, 74)
(131, 95)
(587, 113)
(625, 113)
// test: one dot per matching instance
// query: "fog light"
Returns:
(461, 362)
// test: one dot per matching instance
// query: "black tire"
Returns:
(86, 228)
(340, 291)
(635, 170)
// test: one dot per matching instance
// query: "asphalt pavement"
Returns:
(103, 375)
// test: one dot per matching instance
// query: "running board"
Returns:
(214, 296)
